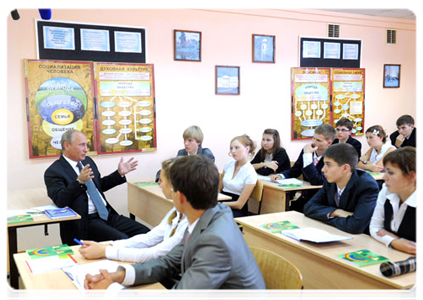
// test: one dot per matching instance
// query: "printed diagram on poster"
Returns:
(111, 103)
(310, 100)
(126, 111)
(348, 97)
(59, 97)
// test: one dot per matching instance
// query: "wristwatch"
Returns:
(364, 161)
(79, 181)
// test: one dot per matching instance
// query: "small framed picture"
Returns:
(264, 48)
(391, 76)
(187, 45)
(227, 80)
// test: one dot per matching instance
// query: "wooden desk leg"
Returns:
(13, 248)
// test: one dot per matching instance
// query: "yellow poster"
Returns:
(126, 118)
(310, 100)
(59, 96)
(348, 97)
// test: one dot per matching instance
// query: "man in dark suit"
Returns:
(343, 134)
(213, 253)
(74, 180)
(406, 133)
(310, 163)
(348, 197)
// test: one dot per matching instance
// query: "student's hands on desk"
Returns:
(275, 177)
(92, 250)
(340, 213)
(103, 280)
(400, 244)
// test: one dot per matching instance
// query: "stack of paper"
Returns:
(50, 263)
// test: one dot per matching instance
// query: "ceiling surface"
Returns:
(390, 13)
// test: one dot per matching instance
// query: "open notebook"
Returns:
(314, 235)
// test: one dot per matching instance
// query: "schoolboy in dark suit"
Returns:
(310, 163)
(348, 197)
(343, 135)
(406, 133)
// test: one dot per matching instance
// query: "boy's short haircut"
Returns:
(193, 132)
(346, 123)
(342, 154)
(405, 119)
(327, 131)
(197, 177)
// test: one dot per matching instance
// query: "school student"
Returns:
(394, 219)
(310, 163)
(239, 177)
(343, 134)
(372, 160)
(193, 139)
(213, 253)
(406, 133)
(271, 158)
(348, 197)
(144, 247)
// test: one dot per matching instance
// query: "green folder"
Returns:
(363, 258)
(19, 219)
(61, 250)
(279, 226)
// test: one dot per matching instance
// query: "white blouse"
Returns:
(378, 218)
(375, 157)
(155, 243)
(246, 175)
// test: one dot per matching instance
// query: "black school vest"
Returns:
(407, 229)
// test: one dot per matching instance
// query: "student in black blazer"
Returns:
(310, 163)
(343, 134)
(406, 133)
(271, 158)
(348, 197)
(66, 186)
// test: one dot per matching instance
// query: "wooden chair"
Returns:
(278, 273)
(257, 194)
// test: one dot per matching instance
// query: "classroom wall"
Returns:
(185, 91)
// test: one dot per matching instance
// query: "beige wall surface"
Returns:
(185, 91)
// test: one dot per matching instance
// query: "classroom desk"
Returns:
(318, 263)
(276, 197)
(25, 199)
(58, 279)
(149, 203)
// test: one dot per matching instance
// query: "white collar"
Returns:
(411, 201)
(192, 226)
(70, 161)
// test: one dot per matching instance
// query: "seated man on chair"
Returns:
(348, 197)
(74, 181)
(213, 253)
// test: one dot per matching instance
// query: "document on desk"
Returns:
(77, 273)
(314, 235)
(283, 182)
(50, 263)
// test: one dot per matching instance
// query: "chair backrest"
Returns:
(278, 273)
(257, 192)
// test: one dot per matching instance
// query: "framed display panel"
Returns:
(310, 98)
(227, 80)
(59, 96)
(126, 107)
(187, 45)
(264, 48)
(90, 42)
(391, 76)
(348, 90)
(329, 52)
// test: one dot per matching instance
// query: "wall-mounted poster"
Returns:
(59, 96)
(348, 97)
(310, 92)
(126, 108)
